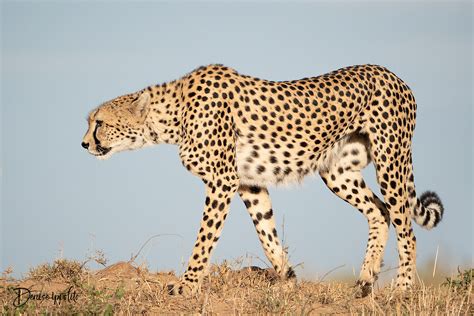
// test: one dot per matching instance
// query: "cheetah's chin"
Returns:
(104, 156)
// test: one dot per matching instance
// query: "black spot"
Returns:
(268, 214)
(255, 189)
(392, 201)
(247, 203)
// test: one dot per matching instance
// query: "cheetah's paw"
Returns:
(181, 288)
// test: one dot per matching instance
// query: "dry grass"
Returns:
(125, 288)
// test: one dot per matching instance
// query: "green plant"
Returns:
(462, 281)
(120, 291)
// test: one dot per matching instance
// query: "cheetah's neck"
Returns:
(163, 120)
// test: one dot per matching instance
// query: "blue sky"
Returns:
(60, 60)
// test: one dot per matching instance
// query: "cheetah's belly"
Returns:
(261, 166)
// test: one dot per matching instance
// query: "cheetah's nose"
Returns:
(85, 145)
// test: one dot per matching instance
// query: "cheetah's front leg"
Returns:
(218, 198)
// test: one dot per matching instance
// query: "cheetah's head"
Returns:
(117, 125)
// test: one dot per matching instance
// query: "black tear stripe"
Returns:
(94, 134)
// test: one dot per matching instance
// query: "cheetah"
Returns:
(241, 134)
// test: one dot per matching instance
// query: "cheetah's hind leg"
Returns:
(344, 178)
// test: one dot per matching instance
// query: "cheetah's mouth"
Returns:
(102, 151)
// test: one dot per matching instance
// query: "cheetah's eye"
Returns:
(99, 123)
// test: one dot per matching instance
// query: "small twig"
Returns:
(330, 271)
(205, 302)
(300, 264)
(132, 259)
(257, 257)
(388, 269)
(84, 263)
(436, 261)
(283, 232)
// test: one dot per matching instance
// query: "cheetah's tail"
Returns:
(429, 210)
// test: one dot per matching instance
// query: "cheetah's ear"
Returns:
(140, 105)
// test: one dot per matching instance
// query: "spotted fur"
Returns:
(241, 134)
